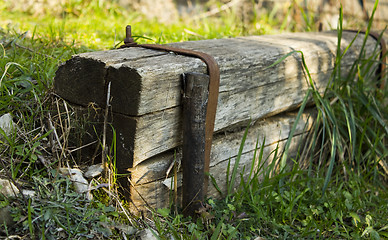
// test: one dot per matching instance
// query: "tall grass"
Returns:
(352, 119)
(347, 155)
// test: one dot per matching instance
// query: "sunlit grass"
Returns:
(104, 29)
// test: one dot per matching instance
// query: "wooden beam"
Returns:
(146, 99)
(195, 101)
(151, 176)
(146, 85)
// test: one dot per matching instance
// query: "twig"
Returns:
(84, 146)
(66, 133)
(35, 52)
(104, 148)
(118, 202)
(172, 164)
(384, 165)
(51, 126)
(56, 135)
(176, 187)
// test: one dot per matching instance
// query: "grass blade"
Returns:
(332, 160)
(292, 132)
(231, 183)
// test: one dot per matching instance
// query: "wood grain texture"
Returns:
(195, 101)
(153, 183)
(146, 84)
(146, 100)
(243, 64)
(226, 145)
(82, 79)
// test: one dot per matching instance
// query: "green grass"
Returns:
(335, 188)
(103, 27)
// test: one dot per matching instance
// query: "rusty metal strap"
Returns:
(214, 77)
(381, 71)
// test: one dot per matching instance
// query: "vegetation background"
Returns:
(338, 190)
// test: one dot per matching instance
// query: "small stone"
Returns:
(259, 238)
(28, 193)
(6, 218)
(6, 124)
(126, 229)
(7, 188)
(147, 234)
(81, 185)
(94, 171)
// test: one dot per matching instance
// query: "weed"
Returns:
(57, 211)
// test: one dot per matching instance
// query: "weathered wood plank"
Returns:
(146, 85)
(155, 187)
(152, 181)
(232, 109)
(82, 79)
(243, 62)
(219, 171)
(226, 145)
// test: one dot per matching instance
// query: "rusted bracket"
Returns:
(214, 82)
